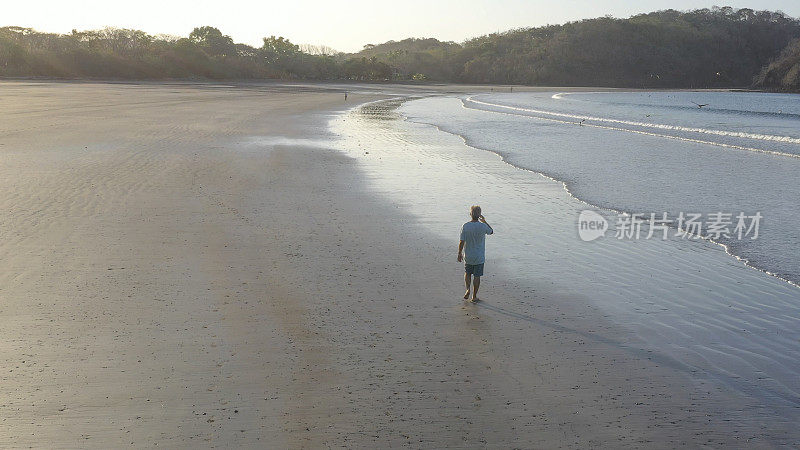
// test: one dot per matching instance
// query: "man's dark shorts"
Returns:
(474, 269)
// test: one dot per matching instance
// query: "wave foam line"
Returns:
(646, 133)
(736, 134)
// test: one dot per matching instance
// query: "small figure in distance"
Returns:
(473, 246)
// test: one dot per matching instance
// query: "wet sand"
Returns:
(195, 266)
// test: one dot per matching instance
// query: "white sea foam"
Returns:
(646, 133)
(579, 117)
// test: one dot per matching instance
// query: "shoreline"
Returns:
(383, 165)
(567, 188)
(566, 185)
(377, 85)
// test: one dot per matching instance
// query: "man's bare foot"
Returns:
(475, 299)
(466, 295)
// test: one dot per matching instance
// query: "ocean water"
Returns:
(688, 303)
(654, 152)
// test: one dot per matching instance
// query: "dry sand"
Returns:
(173, 277)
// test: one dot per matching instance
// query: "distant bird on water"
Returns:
(700, 106)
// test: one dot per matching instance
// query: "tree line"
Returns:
(717, 47)
(205, 54)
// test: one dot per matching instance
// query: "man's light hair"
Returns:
(475, 211)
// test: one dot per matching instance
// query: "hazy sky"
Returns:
(345, 25)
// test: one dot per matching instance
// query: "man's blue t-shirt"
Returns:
(474, 236)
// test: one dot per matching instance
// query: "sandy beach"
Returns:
(200, 266)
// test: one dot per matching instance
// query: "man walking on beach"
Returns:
(472, 244)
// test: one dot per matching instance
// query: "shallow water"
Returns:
(653, 153)
(688, 303)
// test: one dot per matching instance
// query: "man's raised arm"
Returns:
(482, 219)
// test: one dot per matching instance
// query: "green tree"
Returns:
(278, 50)
(213, 42)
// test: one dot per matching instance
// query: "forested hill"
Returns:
(718, 47)
(783, 73)
(702, 48)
